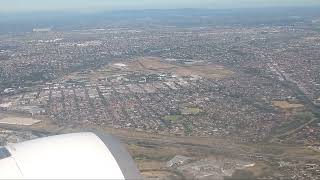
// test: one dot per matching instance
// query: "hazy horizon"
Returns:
(98, 5)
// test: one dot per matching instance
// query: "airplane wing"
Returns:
(68, 156)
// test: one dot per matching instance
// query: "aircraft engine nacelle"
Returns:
(68, 156)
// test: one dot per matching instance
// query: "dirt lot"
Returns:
(16, 120)
(286, 105)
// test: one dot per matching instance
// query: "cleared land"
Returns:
(151, 65)
(155, 64)
(19, 121)
(152, 151)
(286, 105)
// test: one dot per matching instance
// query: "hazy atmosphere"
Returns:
(92, 5)
(192, 89)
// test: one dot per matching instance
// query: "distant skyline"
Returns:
(96, 5)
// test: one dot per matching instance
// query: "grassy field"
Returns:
(154, 64)
(172, 117)
(151, 151)
(191, 111)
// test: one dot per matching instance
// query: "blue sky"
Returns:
(92, 5)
